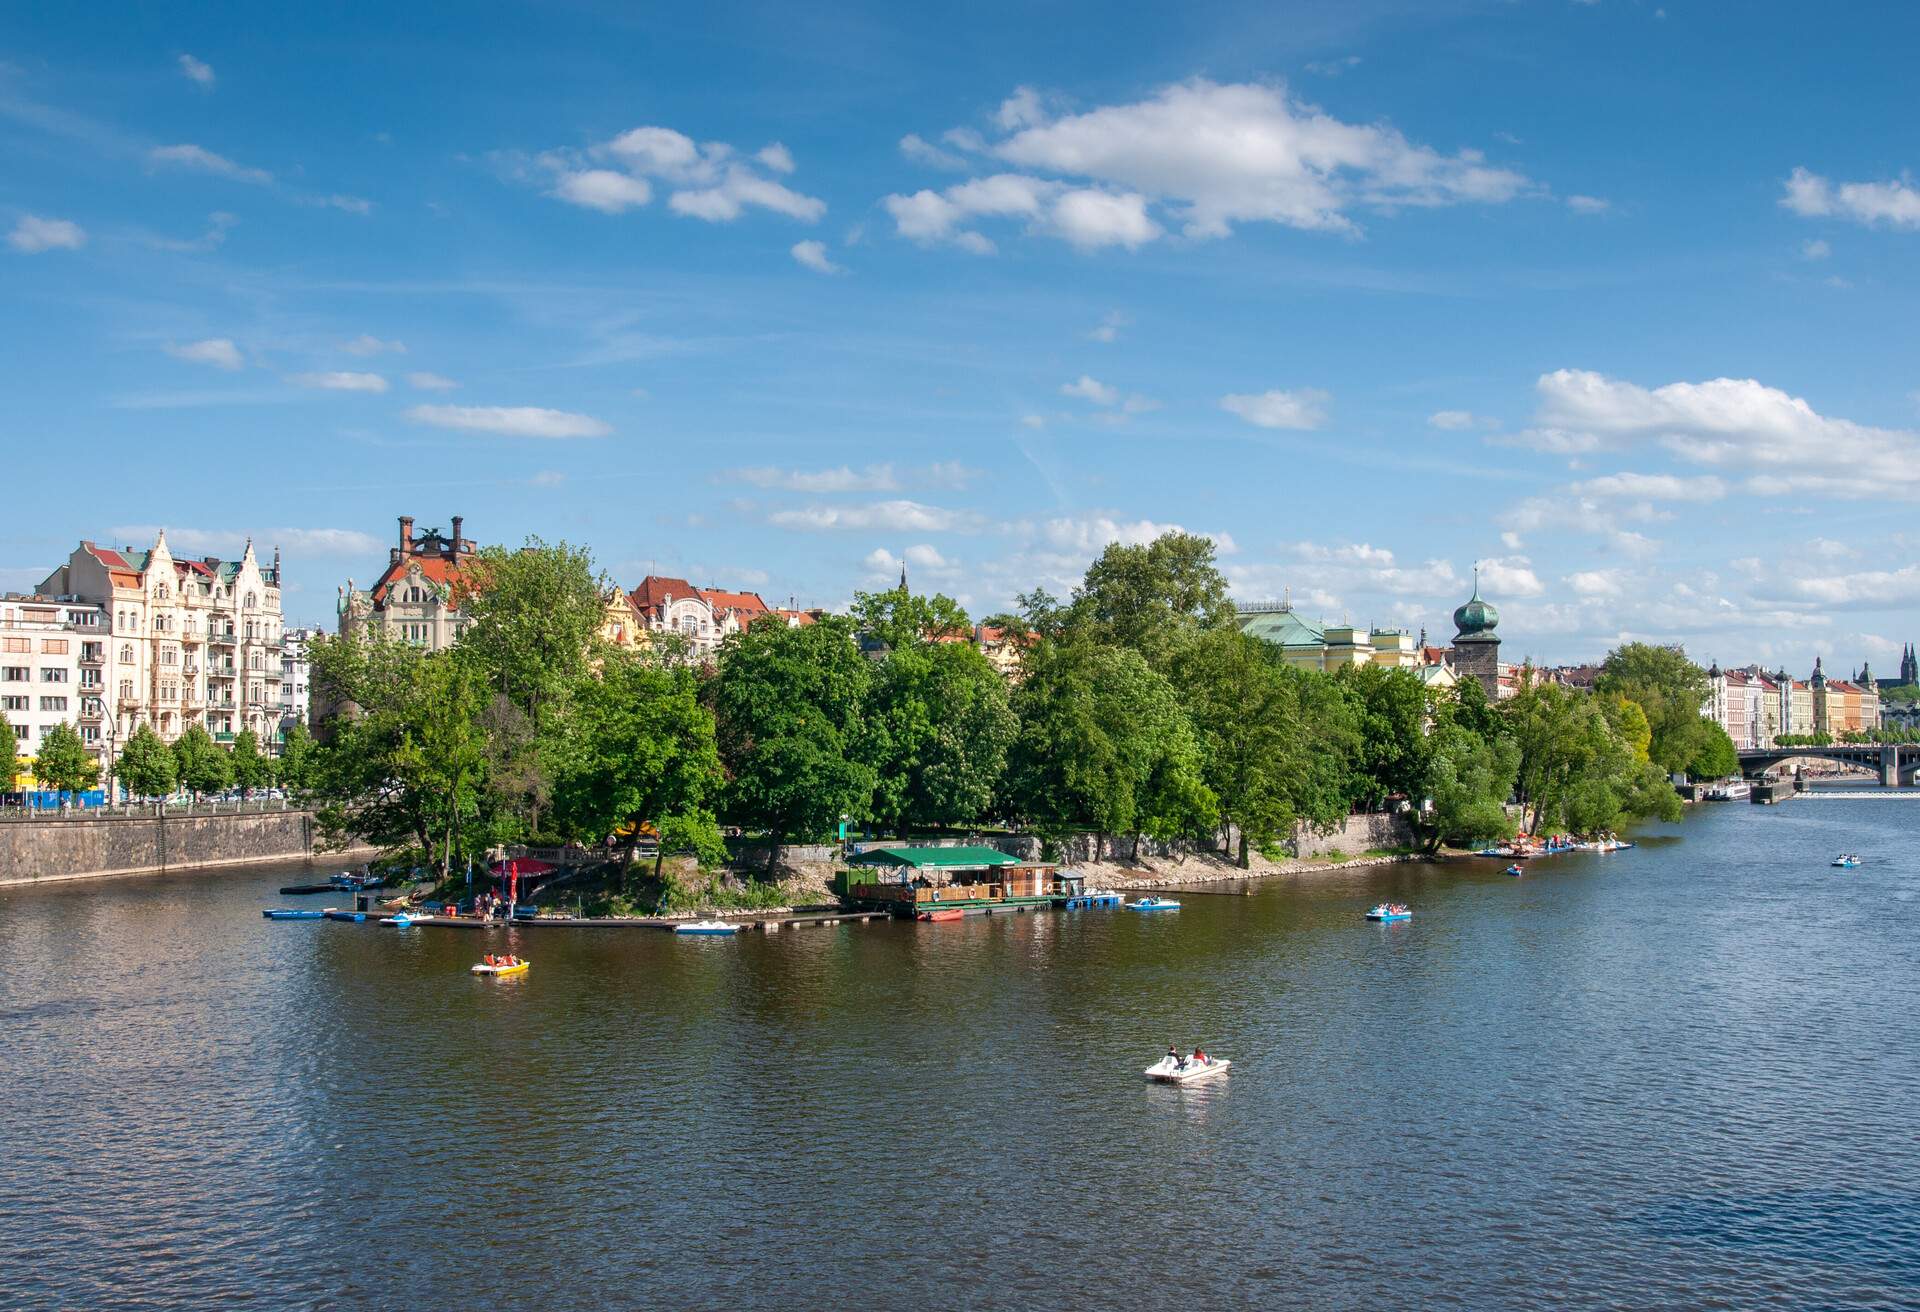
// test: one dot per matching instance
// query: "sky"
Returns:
(1611, 299)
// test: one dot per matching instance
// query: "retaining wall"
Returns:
(88, 847)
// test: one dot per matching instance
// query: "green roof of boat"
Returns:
(942, 858)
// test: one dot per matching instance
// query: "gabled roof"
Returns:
(747, 603)
(435, 569)
(654, 590)
(1282, 627)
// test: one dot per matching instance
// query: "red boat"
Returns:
(941, 913)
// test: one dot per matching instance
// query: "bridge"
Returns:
(1896, 764)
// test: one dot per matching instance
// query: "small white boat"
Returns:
(1153, 904)
(1846, 861)
(406, 920)
(1388, 912)
(707, 928)
(1186, 1070)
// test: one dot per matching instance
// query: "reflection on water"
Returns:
(1684, 1075)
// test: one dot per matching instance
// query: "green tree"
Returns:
(1582, 760)
(146, 764)
(533, 616)
(63, 762)
(200, 764)
(295, 766)
(787, 709)
(1716, 757)
(1245, 707)
(9, 755)
(1390, 718)
(1104, 745)
(251, 768)
(640, 751)
(1153, 598)
(1671, 689)
(900, 619)
(1469, 779)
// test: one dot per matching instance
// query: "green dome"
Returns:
(1476, 616)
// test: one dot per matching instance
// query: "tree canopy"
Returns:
(146, 766)
(63, 762)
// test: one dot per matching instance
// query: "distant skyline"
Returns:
(1614, 298)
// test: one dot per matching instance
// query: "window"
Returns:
(90, 734)
(53, 646)
(126, 690)
(53, 703)
(21, 731)
(19, 644)
(90, 679)
(249, 605)
(53, 675)
(16, 703)
(126, 653)
(166, 657)
(16, 674)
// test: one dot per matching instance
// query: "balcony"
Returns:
(190, 638)
(221, 639)
(223, 736)
(93, 660)
(90, 714)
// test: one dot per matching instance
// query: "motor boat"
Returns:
(706, 928)
(1185, 1070)
(1846, 861)
(1515, 870)
(1387, 912)
(1733, 790)
(1153, 904)
(941, 913)
(519, 967)
(406, 920)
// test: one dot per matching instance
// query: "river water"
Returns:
(1684, 1075)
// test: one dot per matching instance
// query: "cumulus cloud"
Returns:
(368, 344)
(1588, 205)
(1895, 204)
(1778, 441)
(197, 72)
(342, 380)
(874, 478)
(33, 234)
(1304, 410)
(1653, 487)
(220, 352)
(705, 180)
(1510, 576)
(1595, 583)
(509, 420)
(1091, 389)
(231, 542)
(897, 515)
(1868, 588)
(813, 255)
(426, 382)
(1211, 155)
(199, 159)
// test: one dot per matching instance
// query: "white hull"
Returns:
(1165, 1071)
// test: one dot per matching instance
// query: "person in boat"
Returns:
(1173, 1056)
(1200, 1057)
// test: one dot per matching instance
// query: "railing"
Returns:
(173, 806)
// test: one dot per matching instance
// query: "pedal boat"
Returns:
(1167, 1071)
(518, 968)
(1153, 904)
(706, 929)
(1386, 915)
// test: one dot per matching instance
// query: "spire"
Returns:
(903, 574)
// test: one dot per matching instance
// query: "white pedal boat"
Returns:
(1168, 1071)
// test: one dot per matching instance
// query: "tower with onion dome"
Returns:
(1476, 643)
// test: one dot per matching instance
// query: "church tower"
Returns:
(1476, 646)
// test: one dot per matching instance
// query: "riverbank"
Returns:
(1212, 868)
(89, 845)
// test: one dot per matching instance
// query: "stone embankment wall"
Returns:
(87, 847)
(1359, 833)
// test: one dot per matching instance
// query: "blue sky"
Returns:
(1614, 298)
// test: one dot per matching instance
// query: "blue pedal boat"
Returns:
(1153, 904)
(356, 917)
(1387, 914)
(283, 913)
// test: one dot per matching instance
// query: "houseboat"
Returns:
(916, 881)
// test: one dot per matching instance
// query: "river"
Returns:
(1683, 1075)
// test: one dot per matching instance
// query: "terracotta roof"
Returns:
(654, 591)
(1435, 655)
(435, 569)
(795, 617)
(745, 602)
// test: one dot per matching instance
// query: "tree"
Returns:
(1469, 779)
(1105, 745)
(1716, 756)
(938, 720)
(787, 709)
(295, 766)
(640, 751)
(1390, 719)
(533, 615)
(63, 762)
(250, 767)
(1153, 598)
(146, 764)
(1246, 709)
(9, 755)
(1671, 690)
(1582, 760)
(200, 764)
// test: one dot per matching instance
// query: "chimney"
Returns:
(406, 533)
(456, 535)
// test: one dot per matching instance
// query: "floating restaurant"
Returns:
(913, 881)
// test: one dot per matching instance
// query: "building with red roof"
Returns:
(416, 596)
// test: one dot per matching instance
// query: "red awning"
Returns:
(523, 865)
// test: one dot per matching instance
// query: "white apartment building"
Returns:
(295, 680)
(188, 641)
(52, 669)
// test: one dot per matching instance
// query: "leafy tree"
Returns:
(63, 762)
(9, 755)
(146, 764)
(1105, 745)
(1246, 709)
(1390, 717)
(533, 617)
(1716, 757)
(640, 751)
(938, 719)
(1469, 779)
(1152, 598)
(787, 708)
(200, 764)
(1322, 790)
(1583, 762)
(251, 768)
(1671, 690)
(295, 766)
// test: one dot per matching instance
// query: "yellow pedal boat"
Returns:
(517, 968)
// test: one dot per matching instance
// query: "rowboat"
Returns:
(941, 913)
(517, 968)
(283, 913)
(1168, 1071)
(706, 928)
(1153, 904)
(1388, 912)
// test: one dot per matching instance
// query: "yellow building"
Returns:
(1311, 646)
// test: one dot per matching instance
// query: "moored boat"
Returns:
(288, 913)
(941, 913)
(706, 928)
(1153, 904)
(299, 890)
(405, 920)
(1185, 1070)
(356, 917)
(1387, 912)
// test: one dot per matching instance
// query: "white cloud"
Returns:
(426, 382)
(1896, 204)
(1451, 420)
(1817, 249)
(1653, 487)
(603, 189)
(1739, 425)
(776, 157)
(1214, 155)
(1869, 588)
(1091, 389)
(1305, 409)
(368, 344)
(509, 420)
(201, 160)
(33, 234)
(342, 380)
(196, 71)
(921, 151)
(813, 255)
(351, 204)
(951, 474)
(898, 516)
(1109, 327)
(1333, 67)
(231, 542)
(874, 478)
(1596, 583)
(1588, 205)
(220, 352)
(1511, 576)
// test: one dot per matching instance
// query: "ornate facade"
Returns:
(417, 596)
